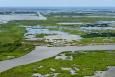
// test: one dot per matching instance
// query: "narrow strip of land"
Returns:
(41, 53)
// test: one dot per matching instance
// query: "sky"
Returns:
(57, 3)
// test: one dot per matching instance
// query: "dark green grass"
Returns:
(42, 35)
(93, 35)
(11, 41)
(11, 33)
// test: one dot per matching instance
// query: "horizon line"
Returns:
(57, 6)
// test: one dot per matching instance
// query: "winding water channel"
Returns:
(41, 53)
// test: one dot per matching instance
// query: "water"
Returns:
(39, 30)
(32, 31)
(110, 72)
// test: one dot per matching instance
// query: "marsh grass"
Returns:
(88, 63)
(11, 38)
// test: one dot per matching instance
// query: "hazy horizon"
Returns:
(57, 3)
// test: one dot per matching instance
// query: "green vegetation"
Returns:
(41, 35)
(70, 14)
(102, 31)
(77, 32)
(11, 33)
(14, 51)
(95, 25)
(80, 19)
(11, 41)
(93, 35)
(52, 21)
(13, 44)
(87, 62)
(35, 22)
(96, 40)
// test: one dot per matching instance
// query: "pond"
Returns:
(32, 31)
